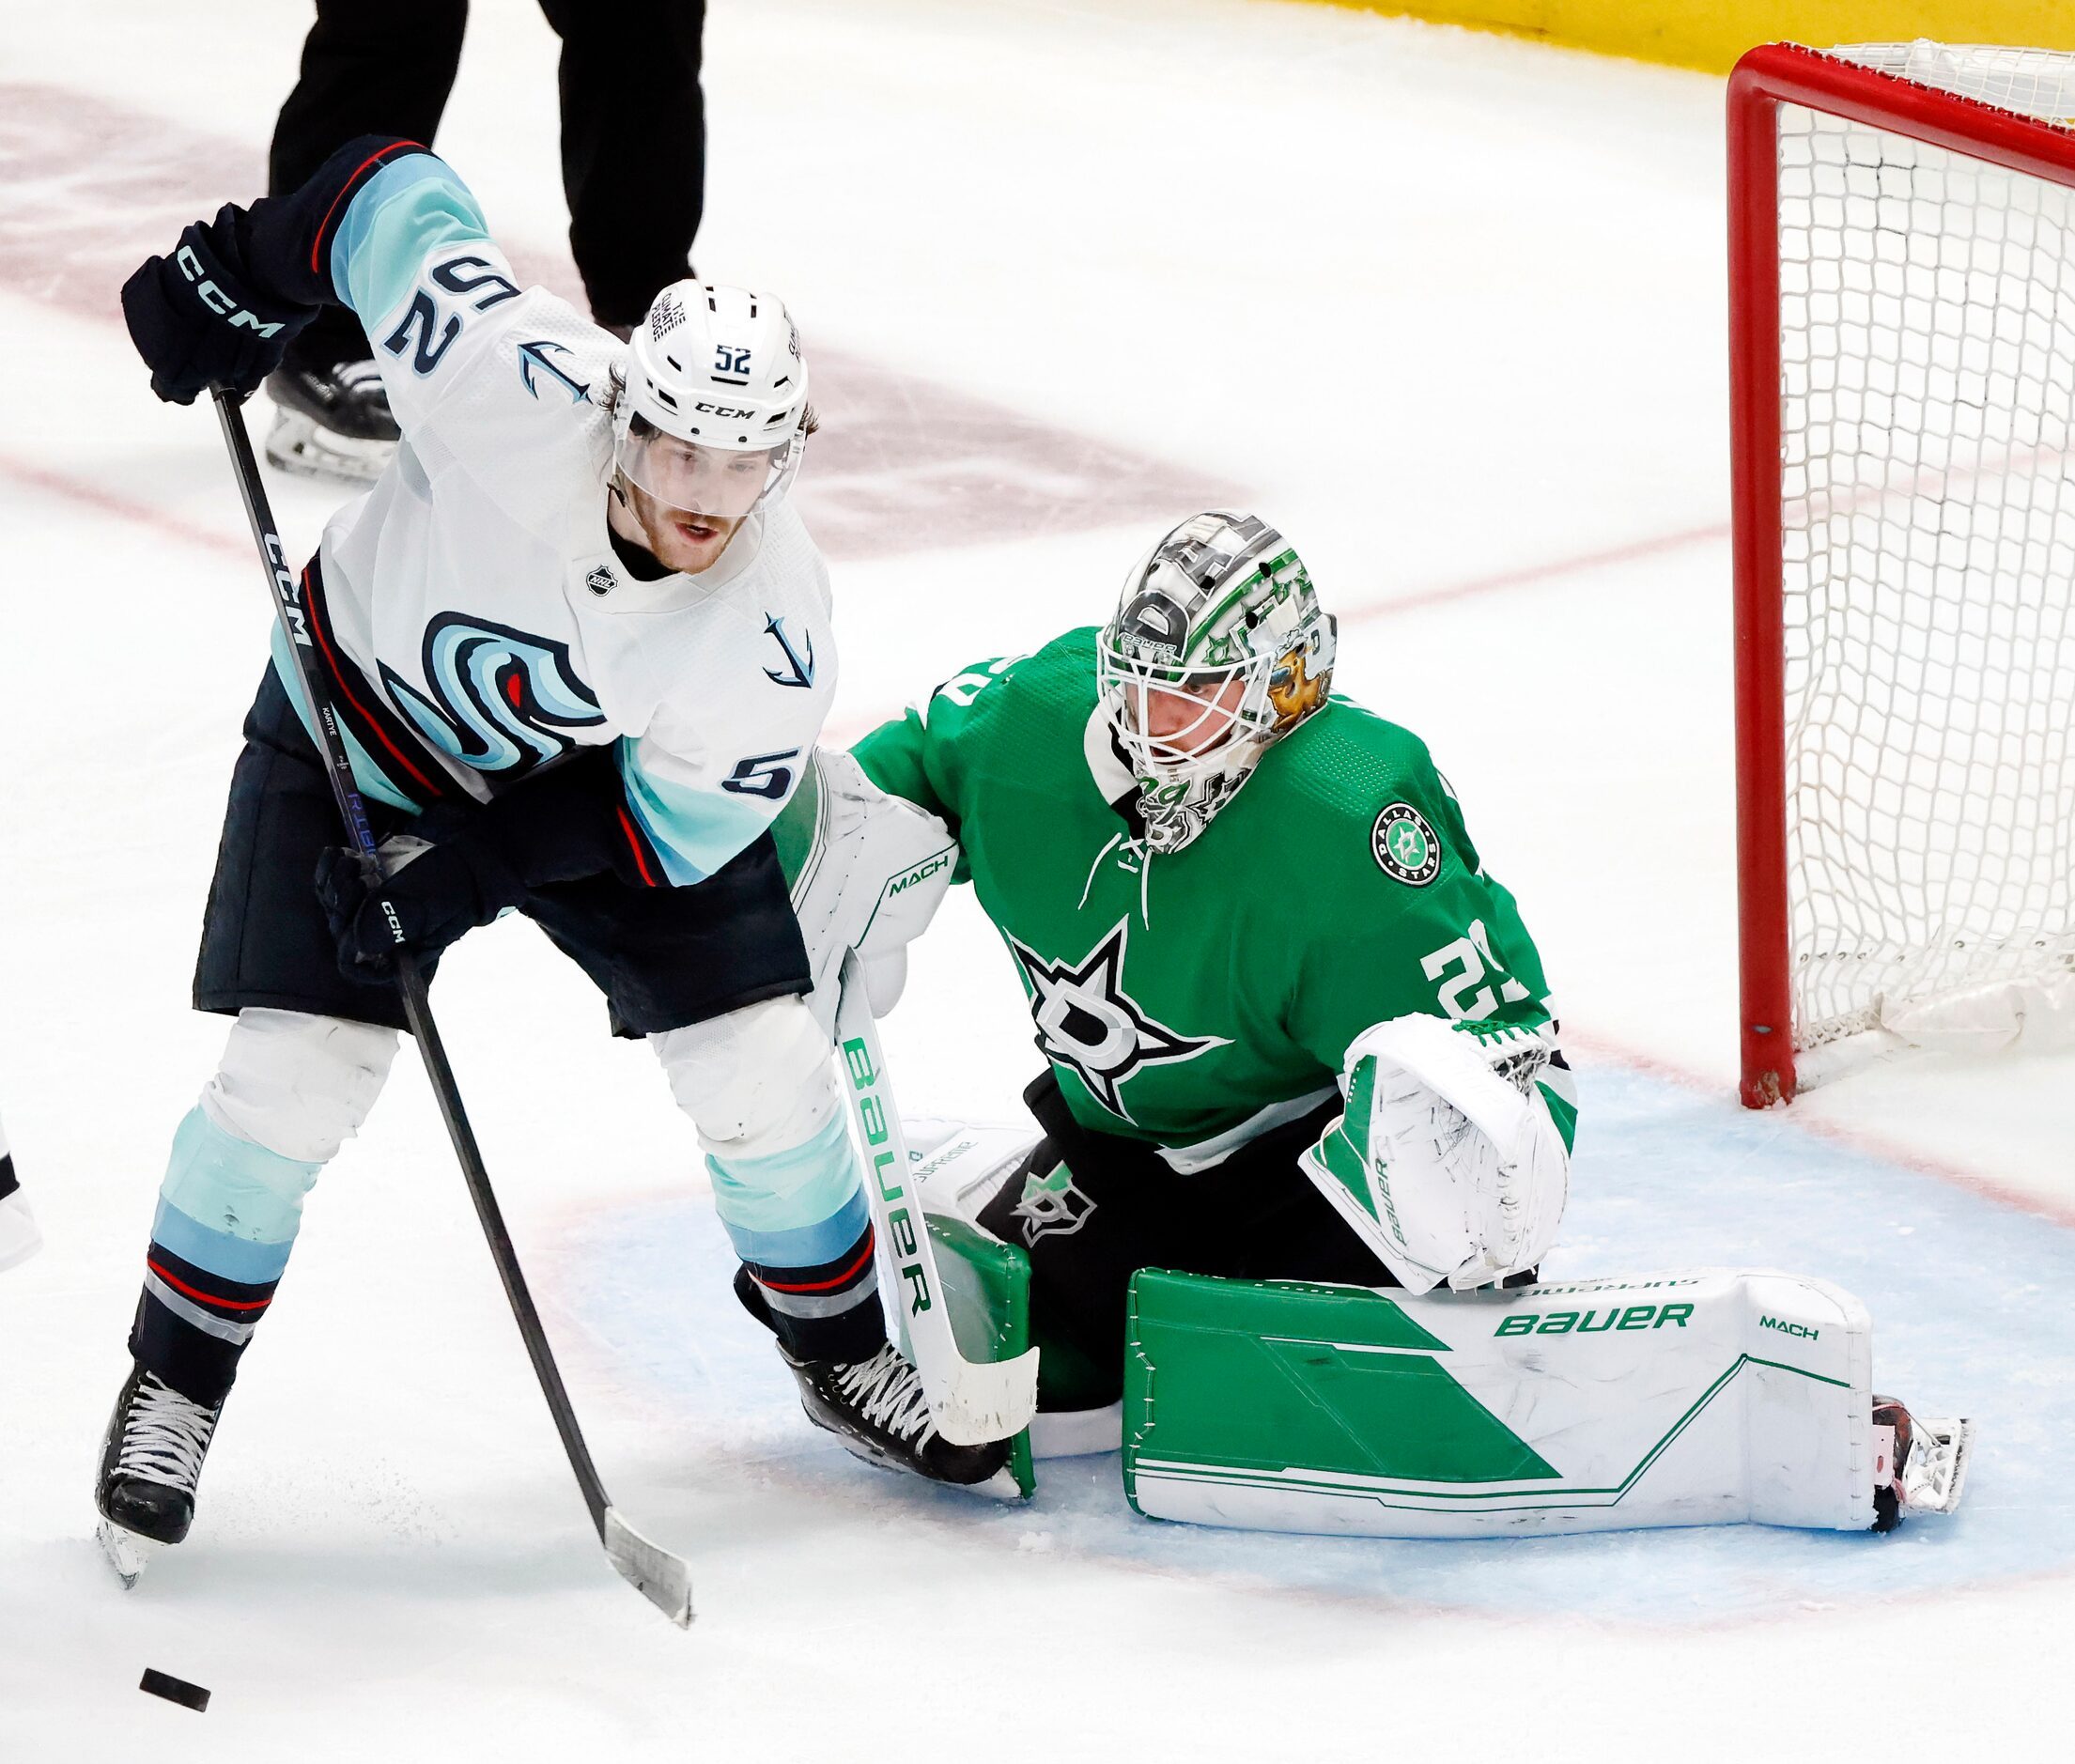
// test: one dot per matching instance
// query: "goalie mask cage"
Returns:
(1902, 389)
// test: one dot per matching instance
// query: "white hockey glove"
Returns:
(872, 880)
(1449, 1171)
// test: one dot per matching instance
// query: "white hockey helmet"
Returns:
(1217, 648)
(714, 416)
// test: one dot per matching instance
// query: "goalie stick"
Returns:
(970, 1401)
(664, 1579)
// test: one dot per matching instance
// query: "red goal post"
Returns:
(1887, 889)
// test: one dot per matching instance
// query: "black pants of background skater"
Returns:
(633, 131)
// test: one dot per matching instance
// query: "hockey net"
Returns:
(1903, 242)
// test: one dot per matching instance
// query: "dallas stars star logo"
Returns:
(1087, 1021)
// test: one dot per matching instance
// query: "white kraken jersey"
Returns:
(476, 592)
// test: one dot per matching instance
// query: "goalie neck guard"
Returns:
(1218, 648)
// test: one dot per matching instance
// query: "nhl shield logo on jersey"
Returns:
(1051, 1205)
(1405, 847)
(1087, 1023)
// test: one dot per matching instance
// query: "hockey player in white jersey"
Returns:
(579, 645)
(19, 1237)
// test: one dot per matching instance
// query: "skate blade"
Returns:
(1936, 1473)
(1001, 1486)
(298, 445)
(129, 1554)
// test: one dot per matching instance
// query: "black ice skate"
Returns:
(1920, 1464)
(877, 1409)
(331, 423)
(150, 1461)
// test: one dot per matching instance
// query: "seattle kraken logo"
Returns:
(798, 673)
(503, 697)
(1087, 1022)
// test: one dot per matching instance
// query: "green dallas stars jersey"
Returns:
(1203, 998)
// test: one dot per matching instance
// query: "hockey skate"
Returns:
(1920, 1464)
(877, 1408)
(150, 1461)
(331, 423)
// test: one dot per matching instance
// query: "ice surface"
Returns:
(1448, 309)
(1676, 1179)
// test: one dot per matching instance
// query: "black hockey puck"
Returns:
(174, 1690)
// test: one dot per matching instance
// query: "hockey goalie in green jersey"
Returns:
(1226, 893)
(1300, 1054)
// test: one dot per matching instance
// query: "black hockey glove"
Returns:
(561, 825)
(203, 317)
(446, 890)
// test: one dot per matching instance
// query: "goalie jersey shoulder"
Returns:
(1372, 805)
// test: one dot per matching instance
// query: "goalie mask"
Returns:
(714, 416)
(1218, 648)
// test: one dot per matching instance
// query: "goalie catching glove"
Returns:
(1446, 1162)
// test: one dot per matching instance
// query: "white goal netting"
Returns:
(1928, 332)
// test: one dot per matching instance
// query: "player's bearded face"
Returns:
(690, 500)
(679, 539)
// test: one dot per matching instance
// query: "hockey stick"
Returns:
(970, 1401)
(661, 1578)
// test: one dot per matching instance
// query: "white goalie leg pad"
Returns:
(876, 871)
(1685, 1398)
(965, 1166)
(1451, 1174)
(756, 1081)
(296, 1085)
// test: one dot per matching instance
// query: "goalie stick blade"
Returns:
(975, 1402)
(658, 1577)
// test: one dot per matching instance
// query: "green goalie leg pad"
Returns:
(986, 1284)
(1257, 1378)
(1694, 1397)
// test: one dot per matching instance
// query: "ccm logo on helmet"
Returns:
(216, 300)
(722, 409)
